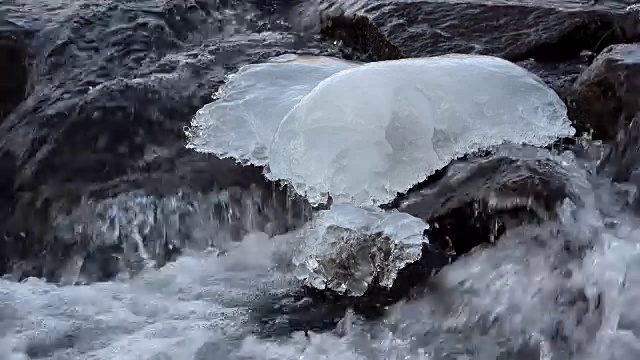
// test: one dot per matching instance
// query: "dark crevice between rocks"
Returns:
(362, 36)
(7, 205)
(14, 72)
(622, 161)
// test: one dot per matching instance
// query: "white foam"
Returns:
(529, 291)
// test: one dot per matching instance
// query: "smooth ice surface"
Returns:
(253, 102)
(345, 248)
(367, 133)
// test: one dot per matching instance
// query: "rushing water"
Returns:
(564, 290)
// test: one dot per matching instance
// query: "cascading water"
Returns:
(563, 289)
(136, 230)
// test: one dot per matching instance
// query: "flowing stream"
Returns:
(561, 290)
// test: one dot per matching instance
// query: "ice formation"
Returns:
(367, 133)
(253, 102)
(346, 248)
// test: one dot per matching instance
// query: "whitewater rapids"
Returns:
(567, 289)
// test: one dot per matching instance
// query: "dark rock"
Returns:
(14, 66)
(7, 203)
(606, 96)
(545, 30)
(113, 85)
(549, 37)
(560, 76)
(473, 202)
(622, 161)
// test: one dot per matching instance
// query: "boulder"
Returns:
(112, 86)
(622, 160)
(512, 29)
(605, 97)
(548, 37)
(474, 201)
(471, 203)
(621, 163)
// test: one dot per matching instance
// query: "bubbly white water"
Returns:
(563, 290)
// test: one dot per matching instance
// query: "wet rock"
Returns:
(604, 98)
(14, 66)
(7, 203)
(560, 76)
(622, 161)
(549, 30)
(134, 230)
(113, 86)
(475, 201)
(549, 38)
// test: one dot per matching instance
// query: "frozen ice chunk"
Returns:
(369, 132)
(253, 102)
(345, 248)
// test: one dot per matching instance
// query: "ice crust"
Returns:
(346, 247)
(367, 133)
(253, 102)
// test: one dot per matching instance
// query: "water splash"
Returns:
(138, 230)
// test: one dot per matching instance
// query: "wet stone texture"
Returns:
(548, 37)
(512, 29)
(114, 83)
(14, 67)
(606, 96)
(622, 163)
(474, 201)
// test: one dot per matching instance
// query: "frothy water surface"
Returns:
(564, 290)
